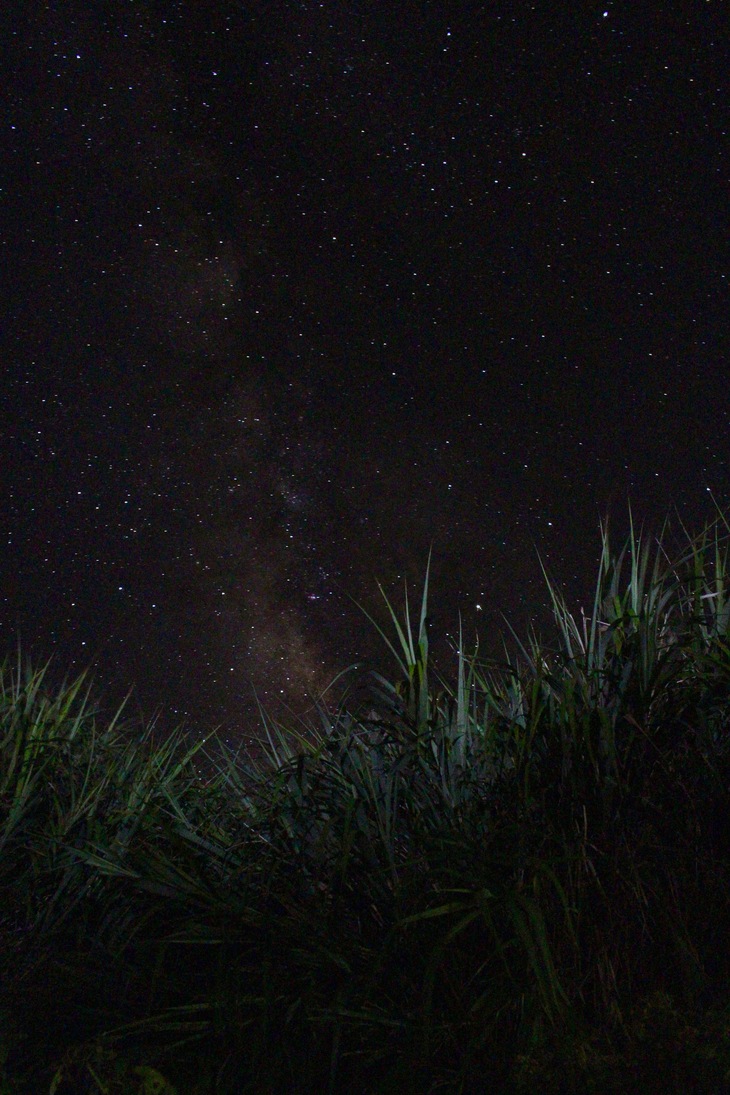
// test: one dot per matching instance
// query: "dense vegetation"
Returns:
(519, 882)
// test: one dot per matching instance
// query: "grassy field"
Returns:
(517, 881)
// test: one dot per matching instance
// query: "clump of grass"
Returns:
(517, 879)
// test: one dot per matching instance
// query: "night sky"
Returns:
(292, 291)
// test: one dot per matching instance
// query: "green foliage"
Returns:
(99, 1069)
(521, 875)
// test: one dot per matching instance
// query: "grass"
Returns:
(518, 881)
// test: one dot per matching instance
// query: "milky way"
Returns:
(300, 293)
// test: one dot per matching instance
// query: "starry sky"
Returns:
(294, 291)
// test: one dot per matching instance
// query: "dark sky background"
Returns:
(293, 290)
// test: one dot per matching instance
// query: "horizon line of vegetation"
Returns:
(524, 874)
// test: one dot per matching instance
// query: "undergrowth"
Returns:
(517, 881)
